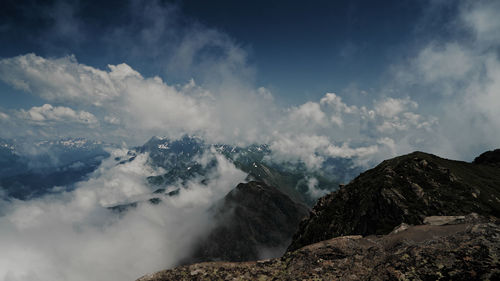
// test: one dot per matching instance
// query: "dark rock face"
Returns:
(489, 158)
(466, 251)
(404, 189)
(254, 221)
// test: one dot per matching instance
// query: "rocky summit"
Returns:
(489, 158)
(404, 189)
(413, 217)
(465, 251)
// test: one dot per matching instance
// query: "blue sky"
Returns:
(339, 78)
(300, 50)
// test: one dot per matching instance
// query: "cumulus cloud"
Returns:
(72, 236)
(458, 81)
(309, 112)
(49, 113)
(62, 80)
(144, 106)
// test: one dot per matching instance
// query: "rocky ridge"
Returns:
(404, 189)
(254, 221)
(465, 251)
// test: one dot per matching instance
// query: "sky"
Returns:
(336, 78)
(351, 39)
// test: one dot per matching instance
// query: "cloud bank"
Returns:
(72, 236)
(127, 106)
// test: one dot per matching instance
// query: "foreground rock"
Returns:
(466, 251)
(404, 189)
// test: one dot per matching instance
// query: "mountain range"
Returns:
(181, 159)
(31, 169)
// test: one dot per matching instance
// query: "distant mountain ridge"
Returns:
(32, 168)
(181, 160)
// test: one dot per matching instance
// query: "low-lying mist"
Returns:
(73, 236)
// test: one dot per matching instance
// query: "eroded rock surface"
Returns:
(466, 251)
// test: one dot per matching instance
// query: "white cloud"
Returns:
(143, 106)
(60, 80)
(112, 120)
(313, 190)
(308, 112)
(4, 116)
(298, 147)
(49, 113)
(437, 63)
(457, 80)
(390, 107)
(335, 102)
(72, 236)
(482, 17)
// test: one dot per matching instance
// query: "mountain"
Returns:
(10, 161)
(413, 217)
(405, 189)
(491, 158)
(253, 221)
(183, 158)
(33, 168)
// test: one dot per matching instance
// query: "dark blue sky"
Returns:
(310, 47)
(299, 49)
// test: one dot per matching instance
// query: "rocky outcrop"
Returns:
(254, 221)
(491, 158)
(465, 251)
(404, 189)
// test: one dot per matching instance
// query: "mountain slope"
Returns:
(254, 221)
(403, 189)
(489, 158)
